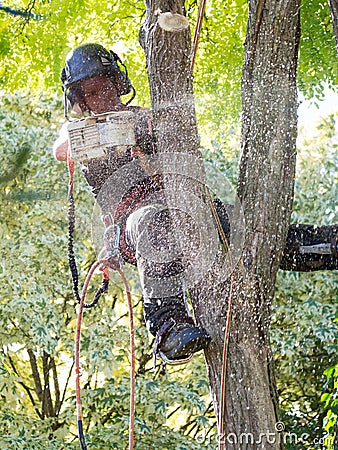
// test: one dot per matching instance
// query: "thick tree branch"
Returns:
(265, 190)
(56, 387)
(47, 404)
(36, 375)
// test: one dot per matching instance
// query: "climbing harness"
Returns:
(110, 261)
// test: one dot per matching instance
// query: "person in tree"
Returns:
(132, 198)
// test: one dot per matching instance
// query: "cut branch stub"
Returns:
(172, 22)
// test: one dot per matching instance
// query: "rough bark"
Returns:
(167, 54)
(266, 180)
(265, 192)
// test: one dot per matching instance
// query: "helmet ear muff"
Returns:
(120, 76)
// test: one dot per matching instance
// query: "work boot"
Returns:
(182, 340)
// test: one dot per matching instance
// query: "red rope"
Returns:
(201, 10)
(132, 362)
(222, 406)
(71, 168)
(105, 269)
(77, 353)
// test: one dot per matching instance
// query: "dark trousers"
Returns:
(152, 233)
(165, 241)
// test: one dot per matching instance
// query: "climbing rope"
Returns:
(77, 355)
(222, 406)
(71, 255)
(132, 362)
(200, 15)
(113, 263)
(103, 265)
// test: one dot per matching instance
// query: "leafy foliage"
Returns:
(37, 402)
(318, 56)
(331, 404)
(38, 315)
(304, 336)
(33, 51)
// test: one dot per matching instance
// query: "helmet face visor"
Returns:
(97, 94)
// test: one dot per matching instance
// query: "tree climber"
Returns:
(308, 247)
(130, 196)
(93, 82)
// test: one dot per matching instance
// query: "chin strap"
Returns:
(132, 96)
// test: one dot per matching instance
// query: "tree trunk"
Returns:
(265, 195)
(266, 180)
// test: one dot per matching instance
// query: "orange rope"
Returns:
(104, 267)
(71, 168)
(132, 362)
(222, 405)
(201, 10)
(77, 352)
(132, 352)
